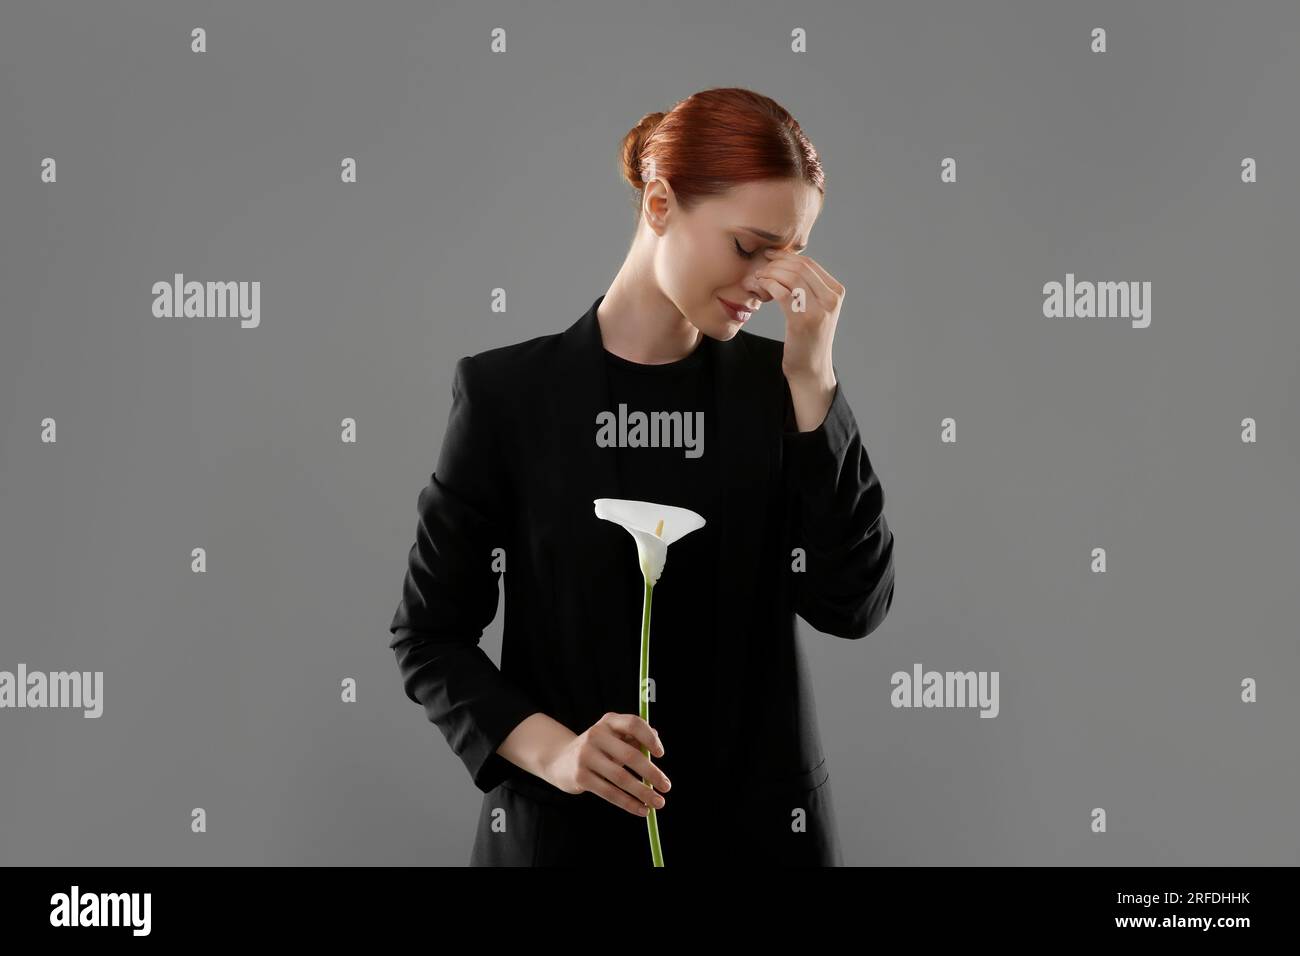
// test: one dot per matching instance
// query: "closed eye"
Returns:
(741, 250)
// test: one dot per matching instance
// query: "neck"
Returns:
(639, 323)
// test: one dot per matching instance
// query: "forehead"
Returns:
(780, 211)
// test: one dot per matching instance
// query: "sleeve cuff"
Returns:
(487, 767)
(820, 451)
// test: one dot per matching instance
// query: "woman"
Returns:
(728, 189)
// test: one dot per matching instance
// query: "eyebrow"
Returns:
(772, 237)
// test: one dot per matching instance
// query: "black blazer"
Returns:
(518, 470)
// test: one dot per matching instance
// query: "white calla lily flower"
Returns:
(641, 518)
(654, 526)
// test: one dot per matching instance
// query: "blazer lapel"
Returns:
(607, 553)
(750, 413)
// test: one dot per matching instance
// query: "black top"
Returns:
(682, 608)
(519, 468)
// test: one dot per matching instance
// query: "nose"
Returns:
(753, 287)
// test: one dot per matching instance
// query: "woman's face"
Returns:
(712, 252)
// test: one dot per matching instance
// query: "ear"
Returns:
(657, 205)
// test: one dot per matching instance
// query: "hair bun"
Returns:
(633, 143)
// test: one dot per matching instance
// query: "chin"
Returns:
(719, 332)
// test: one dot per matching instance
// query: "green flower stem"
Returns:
(652, 821)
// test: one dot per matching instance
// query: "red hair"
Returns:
(716, 139)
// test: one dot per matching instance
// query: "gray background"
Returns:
(478, 170)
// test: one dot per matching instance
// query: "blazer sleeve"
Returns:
(449, 594)
(835, 507)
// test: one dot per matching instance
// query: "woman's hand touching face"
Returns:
(597, 760)
(811, 298)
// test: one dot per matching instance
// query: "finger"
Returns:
(793, 278)
(603, 788)
(834, 284)
(822, 284)
(632, 757)
(634, 728)
(622, 778)
(773, 288)
(795, 272)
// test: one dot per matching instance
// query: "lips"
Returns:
(737, 313)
